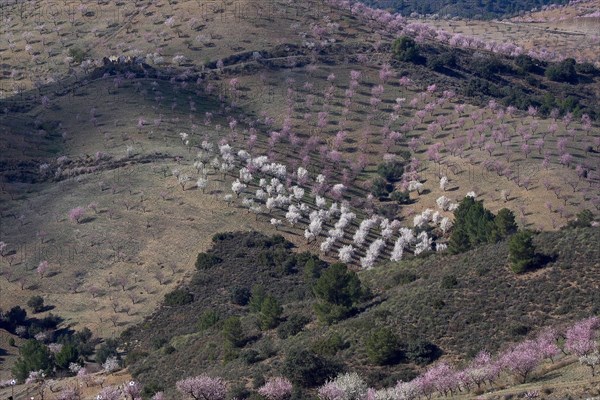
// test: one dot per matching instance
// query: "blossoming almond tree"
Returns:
(203, 387)
(580, 338)
(42, 268)
(522, 359)
(76, 214)
(276, 389)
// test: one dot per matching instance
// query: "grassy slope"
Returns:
(566, 30)
(488, 308)
(462, 8)
(489, 299)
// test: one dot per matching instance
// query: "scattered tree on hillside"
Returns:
(233, 333)
(415, 186)
(522, 359)
(583, 219)
(405, 49)
(521, 252)
(36, 303)
(132, 389)
(203, 387)
(33, 356)
(345, 386)
(69, 393)
(112, 363)
(444, 183)
(337, 289)
(76, 214)
(42, 268)
(305, 368)
(473, 225)
(482, 369)
(276, 389)
(505, 222)
(383, 346)
(201, 183)
(547, 344)
(110, 393)
(591, 360)
(182, 179)
(270, 312)
(391, 170)
(563, 71)
(581, 337)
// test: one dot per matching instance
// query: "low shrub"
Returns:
(207, 320)
(206, 261)
(294, 324)
(383, 347)
(449, 282)
(307, 369)
(36, 303)
(240, 295)
(329, 346)
(178, 297)
(421, 351)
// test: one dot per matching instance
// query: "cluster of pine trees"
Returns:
(475, 225)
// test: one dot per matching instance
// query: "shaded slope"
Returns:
(484, 306)
(462, 8)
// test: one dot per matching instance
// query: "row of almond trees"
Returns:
(519, 361)
(428, 126)
(265, 187)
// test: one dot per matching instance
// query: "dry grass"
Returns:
(565, 30)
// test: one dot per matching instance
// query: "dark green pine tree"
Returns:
(521, 252)
(33, 356)
(459, 241)
(473, 225)
(337, 289)
(505, 222)
(270, 311)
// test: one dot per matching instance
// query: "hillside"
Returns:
(461, 304)
(462, 8)
(123, 107)
(131, 133)
(554, 33)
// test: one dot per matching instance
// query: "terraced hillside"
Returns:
(132, 133)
